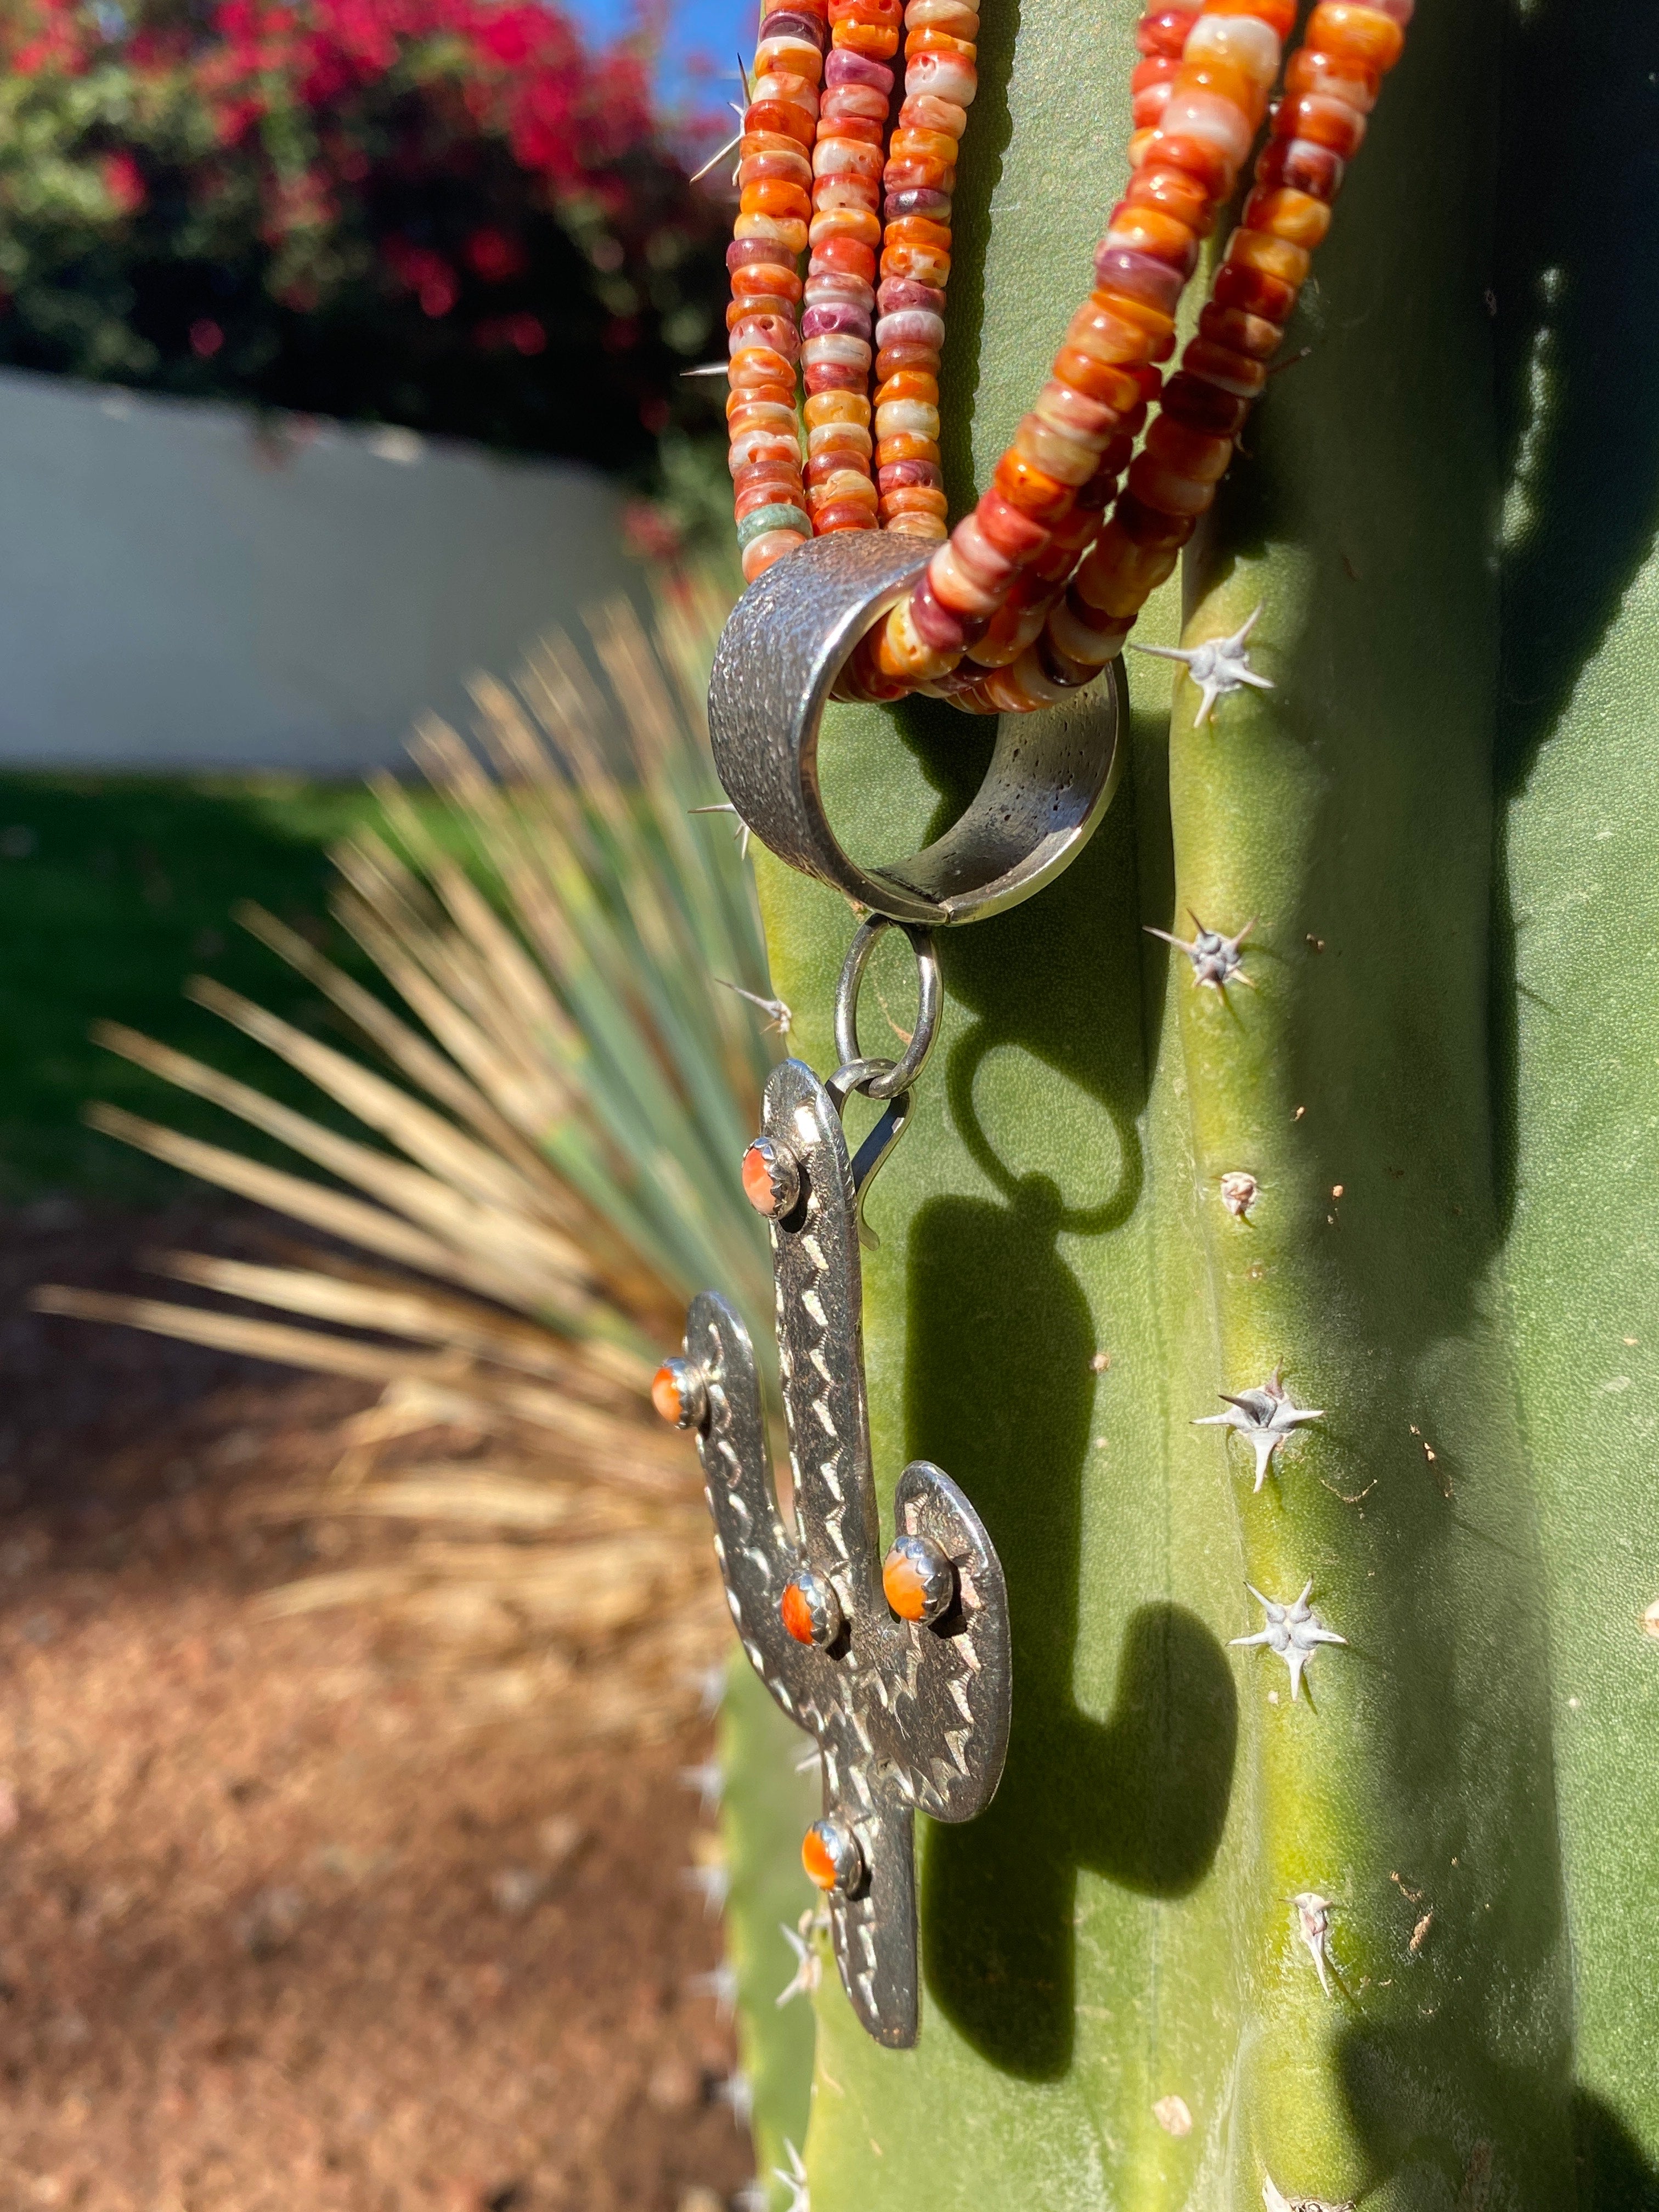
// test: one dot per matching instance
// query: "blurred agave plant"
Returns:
(546, 1173)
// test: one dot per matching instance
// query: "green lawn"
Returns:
(112, 891)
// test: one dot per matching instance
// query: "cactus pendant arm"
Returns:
(907, 1714)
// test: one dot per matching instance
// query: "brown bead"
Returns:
(1251, 334)
(1200, 406)
(1255, 290)
(1149, 525)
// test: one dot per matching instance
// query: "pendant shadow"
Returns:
(1578, 346)
(1613, 2172)
(1388, 2078)
(1140, 1797)
(999, 1390)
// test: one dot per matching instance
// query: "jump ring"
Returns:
(893, 1075)
(856, 1075)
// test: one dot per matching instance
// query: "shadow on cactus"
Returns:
(549, 1097)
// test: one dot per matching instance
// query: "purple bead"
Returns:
(898, 293)
(903, 476)
(917, 199)
(742, 252)
(787, 23)
(937, 625)
(843, 66)
(1123, 270)
(839, 320)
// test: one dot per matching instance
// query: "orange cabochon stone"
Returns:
(666, 1393)
(815, 1857)
(904, 1586)
(797, 1614)
(757, 1179)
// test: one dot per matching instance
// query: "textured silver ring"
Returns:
(1050, 779)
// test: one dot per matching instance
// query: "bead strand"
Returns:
(1095, 396)
(940, 80)
(775, 175)
(1161, 37)
(1331, 86)
(837, 327)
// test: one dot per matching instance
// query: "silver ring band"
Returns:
(1051, 775)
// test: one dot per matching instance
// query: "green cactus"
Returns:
(1445, 816)
(769, 1799)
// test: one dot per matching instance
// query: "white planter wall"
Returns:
(182, 588)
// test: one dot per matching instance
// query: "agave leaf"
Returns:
(551, 1117)
(402, 1045)
(520, 1251)
(427, 1138)
(312, 1203)
(399, 1309)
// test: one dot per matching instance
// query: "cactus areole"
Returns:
(1318, 1082)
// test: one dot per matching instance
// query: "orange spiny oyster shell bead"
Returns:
(797, 1614)
(677, 1393)
(918, 1579)
(831, 1856)
(810, 1609)
(771, 1178)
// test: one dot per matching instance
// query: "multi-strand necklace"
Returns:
(866, 214)
(1035, 590)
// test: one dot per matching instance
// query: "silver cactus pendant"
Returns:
(897, 1665)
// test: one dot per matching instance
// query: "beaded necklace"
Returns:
(862, 216)
(1036, 589)
(1331, 87)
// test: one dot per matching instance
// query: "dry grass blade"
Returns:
(402, 1045)
(500, 1243)
(375, 1301)
(220, 1332)
(552, 1091)
(466, 1494)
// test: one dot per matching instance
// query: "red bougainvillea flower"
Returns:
(374, 169)
(60, 41)
(123, 180)
(418, 270)
(651, 532)
(493, 256)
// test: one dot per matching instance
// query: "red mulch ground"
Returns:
(277, 1928)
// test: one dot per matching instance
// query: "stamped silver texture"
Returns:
(908, 1716)
(1051, 776)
